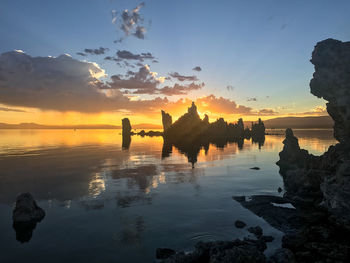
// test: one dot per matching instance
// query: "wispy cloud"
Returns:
(11, 109)
(198, 68)
(179, 77)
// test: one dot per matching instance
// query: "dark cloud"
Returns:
(96, 51)
(179, 77)
(124, 54)
(112, 59)
(140, 32)
(178, 89)
(198, 68)
(146, 82)
(55, 83)
(142, 82)
(130, 22)
(65, 84)
(155, 61)
(10, 109)
(230, 87)
(81, 54)
(252, 99)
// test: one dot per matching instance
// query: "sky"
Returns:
(95, 62)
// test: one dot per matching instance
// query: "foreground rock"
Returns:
(237, 251)
(311, 234)
(324, 180)
(26, 215)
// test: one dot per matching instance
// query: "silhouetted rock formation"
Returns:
(258, 129)
(26, 215)
(325, 178)
(167, 120)
(149, 133)
(189, 133)
(188, 127)
(126, 126)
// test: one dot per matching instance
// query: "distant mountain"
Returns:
(88, 126)
(319, 122)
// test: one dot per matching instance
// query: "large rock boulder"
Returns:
(328, 176)
(331, 81)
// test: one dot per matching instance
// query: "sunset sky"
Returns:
(95, 62)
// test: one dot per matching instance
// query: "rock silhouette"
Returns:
(190, 133)
(126, 126)
(26, 215)
(167, 120)
(324, 179)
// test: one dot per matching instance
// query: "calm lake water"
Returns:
(105, 203)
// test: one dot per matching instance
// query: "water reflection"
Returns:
(24, 230)
(191, 151)
(147, 192)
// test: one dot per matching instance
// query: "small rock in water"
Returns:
(26, 215)
(240, 224)
(279, 189)
(255, 168)
(163, 253)
(26, 209)
(257, 231)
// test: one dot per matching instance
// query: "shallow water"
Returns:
(105, 203)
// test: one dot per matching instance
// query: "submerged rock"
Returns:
(240, 224)
(257, 231)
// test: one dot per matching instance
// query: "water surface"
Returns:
(108, 203)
